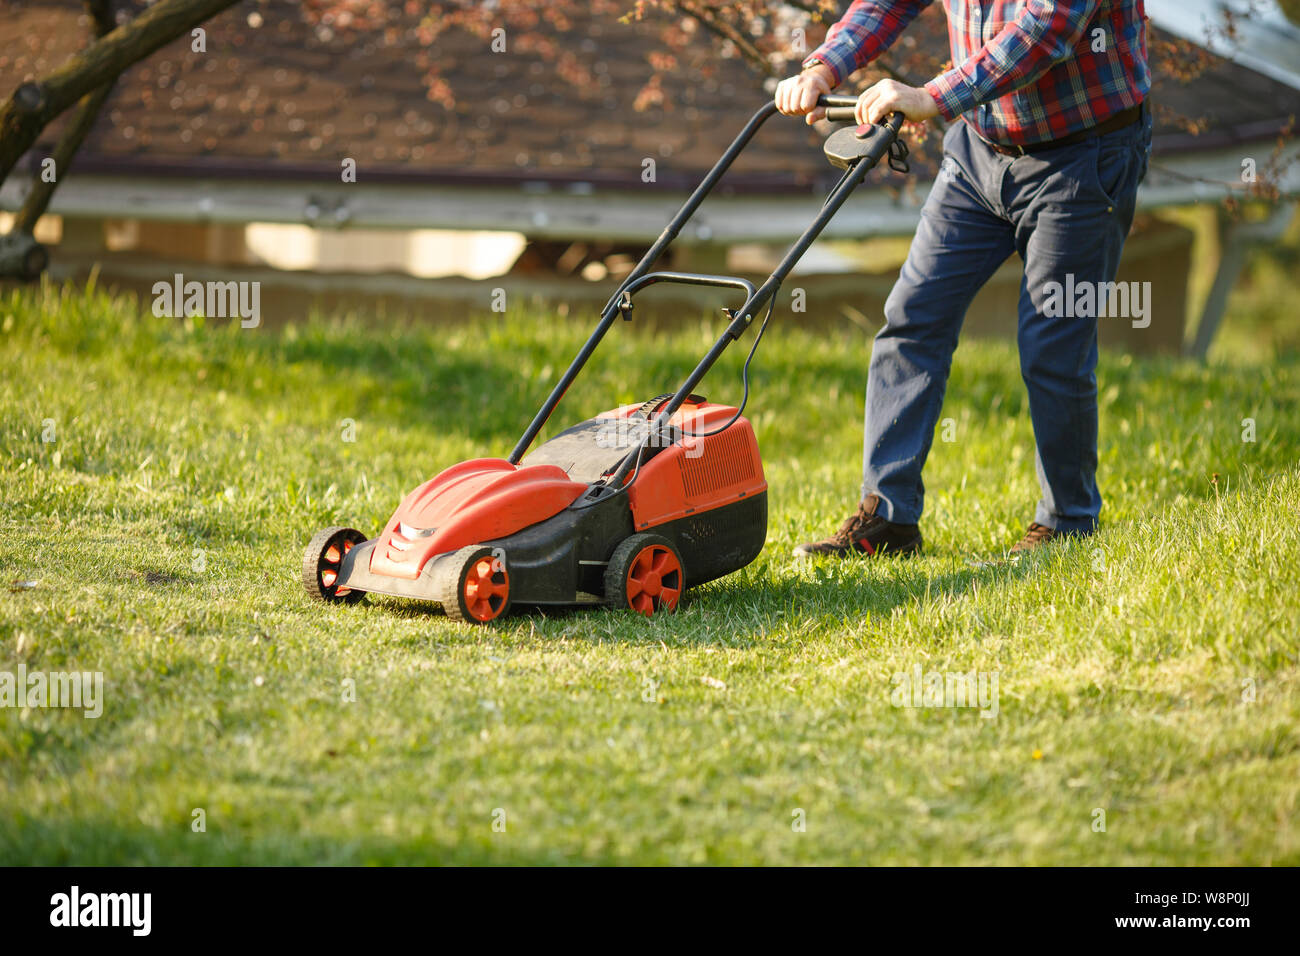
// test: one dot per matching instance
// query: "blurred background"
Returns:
(419, 158)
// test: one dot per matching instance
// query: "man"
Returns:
(1051, 142)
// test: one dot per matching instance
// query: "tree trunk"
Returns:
(38, 200)
(33, 105)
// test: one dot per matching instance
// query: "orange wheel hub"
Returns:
(654, 582)
(487, 586)
(331, 561)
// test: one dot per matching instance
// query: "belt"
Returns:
(1109, 125)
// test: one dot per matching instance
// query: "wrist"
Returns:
(820, 69)
(951, 95)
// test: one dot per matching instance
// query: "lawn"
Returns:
(161, 477)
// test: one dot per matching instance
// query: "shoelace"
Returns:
(860, 521)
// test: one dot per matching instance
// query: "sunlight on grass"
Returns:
(160, 479)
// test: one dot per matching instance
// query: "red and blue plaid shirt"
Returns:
(1024, 71)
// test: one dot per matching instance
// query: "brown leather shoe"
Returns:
(1037, 535)
(866, 533)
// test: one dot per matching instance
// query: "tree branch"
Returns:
(727, 32)
(33, 105)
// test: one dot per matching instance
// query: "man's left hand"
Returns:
(878, 101)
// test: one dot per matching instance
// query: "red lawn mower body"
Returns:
(545, 531)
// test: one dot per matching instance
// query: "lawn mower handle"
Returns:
(686, 278)
(839, 108)
(742, 317)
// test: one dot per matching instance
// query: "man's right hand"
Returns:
(797, 96)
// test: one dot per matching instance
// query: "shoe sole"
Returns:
(906, 551)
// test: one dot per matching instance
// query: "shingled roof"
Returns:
(273, 99)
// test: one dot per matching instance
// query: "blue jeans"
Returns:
(1066, 211)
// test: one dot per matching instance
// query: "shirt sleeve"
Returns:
(865, 31)
(1044, 33)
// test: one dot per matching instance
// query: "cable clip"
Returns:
(739, 323)
(625, 306)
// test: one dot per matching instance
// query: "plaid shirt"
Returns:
(1024, 71)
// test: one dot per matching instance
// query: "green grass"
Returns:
(164, 525)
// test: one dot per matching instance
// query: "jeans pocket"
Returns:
(1116, 163)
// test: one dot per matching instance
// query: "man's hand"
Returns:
(878, 101)
(797, 96)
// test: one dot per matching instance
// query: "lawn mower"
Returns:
(627, 509)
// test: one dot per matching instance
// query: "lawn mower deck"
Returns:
(629, 508)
